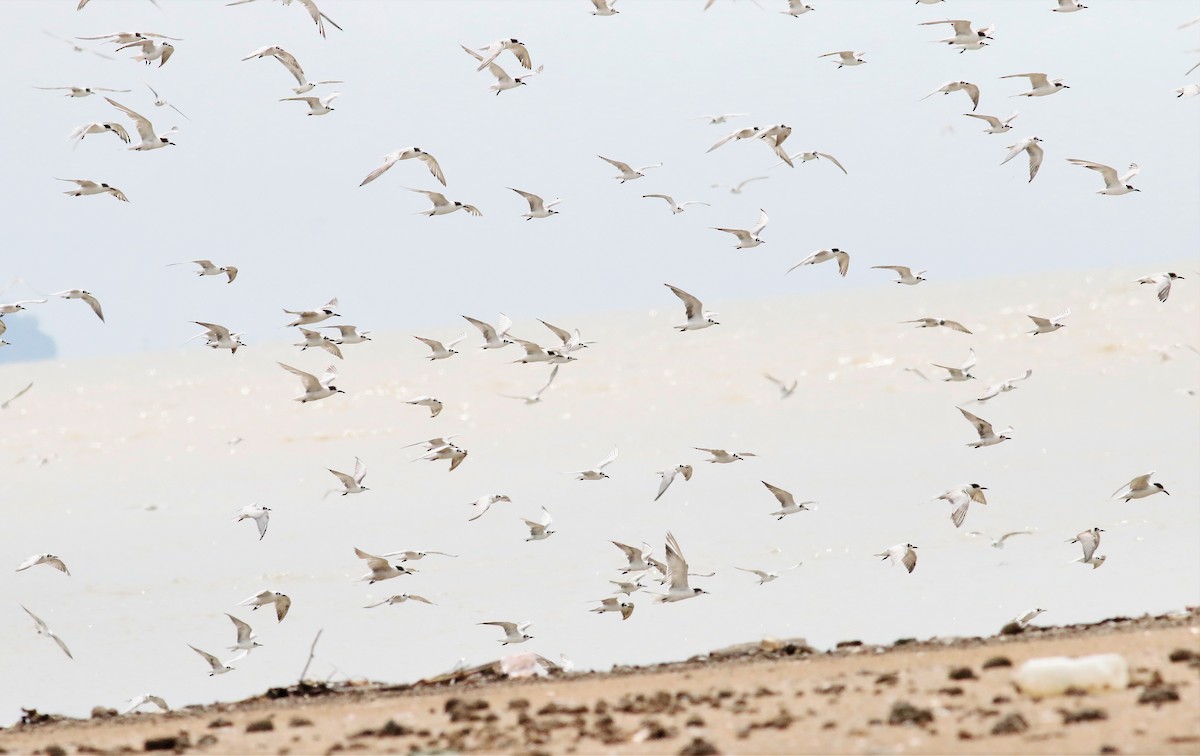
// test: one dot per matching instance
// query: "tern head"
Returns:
(1159, 486)
(1130, 188)
(164, 140)
(106, 186)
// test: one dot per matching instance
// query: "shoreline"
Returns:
(773, 696)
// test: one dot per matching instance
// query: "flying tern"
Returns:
(958, 86)
(97, 127)
(722, 457)
(260, 515)
(765, 577)
(959, 373)
(597, 472)
(628, 173)
(434, 405)
(219, 337)
(310, 317)
(399, 598)
(677, 575)
(845, 58)
(1048, 325)
(281, 602)
(668, 477)
(85, 296)
(1089, 541)
(85, 187)
(1114, 185)
(44, 629)
(481, 505)
(1161, 283)
(1139, 488)
(614, 604)
(1040, 84)
(208, 269)
(676, 208)
(1032, 146)
(151, 51)
(315, 388)
(697, 316)
(987, 436)
(1003, 387)
(538, 208)
(998, 543)
(46, 559)
(995, 125)
(749, 239)
(825, 255)
(440, 351)
(513, 632)
(443, 206)
(349, 334)
(145, 129)
(953, 325)
(785, 389)
(411, 153)
(292, 65)
(787, 501)
(317, 106)
(352, 483)
(494, 338)
(539, 530)
(380, 568)
(83, 91)
(906, 275)
(159, 102)
(218, 667)
(246, 639)
(901, 553)
(318, 340)
(318, 17)
(536, 396)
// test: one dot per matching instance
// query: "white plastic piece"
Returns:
(1054, 675)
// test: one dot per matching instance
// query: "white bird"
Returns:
(697, 316)
(722, 457)
(85, 187)
(797, 8)
(409, 555)
(749, 239)
(737, 189)
(1031, 145)
(959, 373)
(260, 515)
(448, 452)
(440, 351)
(1095, 561)
(44, 629)
(145, 129)
(961, 500)
(953, 325)
(310, 317)
(785, 389)
(400, 598)
(1040, 84)
(412, 153)
(998, 543)
(494, 338)
(292, 65)
(352, 483)
(605, 8)
(787, 501)
(901, 553)
(208, 269)
(535, 353)
(668, 477)
(484, 503)
(85, 296)
(504, 82)
(806, 157)
(434, 405)
(906, 275)
(47, 559)
(995, 125)
(571, 340)
(1089, 541)
(1114, 185)
(825, 255)
(757, 132)
(10, 308)
(536, 396)
(972, 91)
(315, 388)
(380, 568)
(987, 437)
(765, 577)
(676, 208)
(628, 173)
(845, 58)
(317, 106)
(159, 102)
(219, 337)
(539, 530)
(443, 206)
(677, 575)
(318, 17)
(614, 604)
(1162, 283)
(1048, 325)
(513, 632)
(19, 394)
(218, 667)
(1191, 90)
(964, 37)
(637, 562)
(281, 602)
(124, 38)
(98, 127)
(973, 491)
(627, 588)
(142, 700)
(151, 50)
(83, 91)
(246, 639)
(1139, 488)
(320, 341)
(493, 50)
(538, 208)
(719, 118)
(597, 472)
(1024, 618)
(1068, 6)
(1003, 387)
(349, 334)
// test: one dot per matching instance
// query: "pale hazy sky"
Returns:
(256, 183)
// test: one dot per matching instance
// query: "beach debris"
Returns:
(261, 725)
(1013, 724)
(904, 713)
(962, 673)
(1055, 675)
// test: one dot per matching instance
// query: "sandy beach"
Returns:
(775, 696)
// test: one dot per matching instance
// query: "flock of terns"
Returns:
(672, 571)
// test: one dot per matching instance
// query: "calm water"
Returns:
(140, 487)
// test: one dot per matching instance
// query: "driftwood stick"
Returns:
(311, 649)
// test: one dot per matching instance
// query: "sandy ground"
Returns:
(938, 696)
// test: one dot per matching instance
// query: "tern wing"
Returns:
(834, 160)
